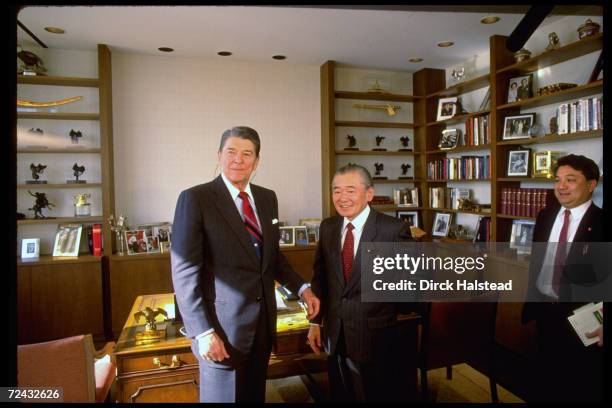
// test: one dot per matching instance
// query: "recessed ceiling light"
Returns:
(489, 20)
(279, 57)
(224, 53)
(166, 49)
(444, 44)
(55, 30)
(415, 60)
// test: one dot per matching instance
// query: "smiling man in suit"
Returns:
(225, 259)
(568, 371)
(362, 339)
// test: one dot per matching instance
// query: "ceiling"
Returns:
(383, 37)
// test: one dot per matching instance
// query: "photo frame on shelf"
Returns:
(67, 240)
(406, 197)
(449, 139)
(520, 88)
(287, 236)
(312, 227)
(411, 217)
(447, 108)
(441, 224)
(521, 236)
(518, 126)
(30, 248)
(544, 162)
(136, 241)
(518, 163)
(301, 236)
(153, 246)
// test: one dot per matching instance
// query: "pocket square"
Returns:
(275, 221)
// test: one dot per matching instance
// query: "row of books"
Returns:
(580, 116)
(524, 202)
(447, 197)
(460, 168)
(477, 131)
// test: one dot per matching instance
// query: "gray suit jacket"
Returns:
(218, 280)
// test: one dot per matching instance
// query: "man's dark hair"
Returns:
(243, 132)
(581, 163)
(366, 177)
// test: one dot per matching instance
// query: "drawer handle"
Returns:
(176, 362)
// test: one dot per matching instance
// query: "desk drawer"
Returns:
(181, 385)
(146, 363)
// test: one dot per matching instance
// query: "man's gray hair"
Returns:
(366, 178)
(243, 132)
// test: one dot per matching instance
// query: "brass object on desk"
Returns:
(150, 333)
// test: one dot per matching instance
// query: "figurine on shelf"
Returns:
(457, 74)
(78, 170)
(405, 167)
(40, 203)
(352, 142)
(588, 29)
(37, 131)
(81, 207)
(522, 55)
(379, 168)
(119, 227)
(75, 135)
(553, 41)
(29, 63)
(36, 171)
(379, 140)
(404, 140)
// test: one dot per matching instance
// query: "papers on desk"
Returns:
(586, 319)
(280, 303)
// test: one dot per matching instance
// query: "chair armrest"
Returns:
(108, 349)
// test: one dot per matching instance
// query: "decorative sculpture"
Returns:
(379, 168)
(36, 171)
(352, 142)
(405, 168)
(457, 74)
(29, 63)
(553, 41)
(522, 55)
(40, 203)
(75, 135)
(150, 333)
(34, 104)
(379, 140)
(81, 207)
(589, 28)
(404, 140)
(78, 170)
(118, 228)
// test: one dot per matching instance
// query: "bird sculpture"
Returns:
(149, 316)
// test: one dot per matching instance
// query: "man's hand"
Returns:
(211, 347)
(312, 303)
(314, 338)
(598, 332)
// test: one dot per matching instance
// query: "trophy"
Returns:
(81, 207)
(379, 140)
(78, 170)
(75, 135)
(405, 168)
(379, 168)
(118, 228)
(36, 172)
(351, 143)
(404, 140)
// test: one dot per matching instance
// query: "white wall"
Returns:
(169, 114)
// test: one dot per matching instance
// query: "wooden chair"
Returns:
(86, 375)
(458, 332)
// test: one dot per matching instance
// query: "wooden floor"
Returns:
(468, 385)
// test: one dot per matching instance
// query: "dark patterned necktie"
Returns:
(347, 252)
(561, 253)
(250, 222)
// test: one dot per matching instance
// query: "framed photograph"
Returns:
(441, 224)
(136, 241)
(517, 127)
(518, 162)
(163, 232)
(411, 217)
(153, 245)
(521, 236)
(447, 108)
(312, 227)
(301, 235)
(67, 240)
(30, 248)
(448, 139)
(287, 236)
(520, 88)
(544, 163)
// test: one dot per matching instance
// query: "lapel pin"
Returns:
(275, 221)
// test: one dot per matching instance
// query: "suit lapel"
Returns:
(265, 221)
(227, 208)
(585, 226)
(336, 249)
(368, 235)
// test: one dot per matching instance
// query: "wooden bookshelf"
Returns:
(59, 186)
(456, 180)
(458, 118)
(552, 138)
(396, 181)
(58, 260)
(461, 149)
(383, 125)
(581, 91)
(55, 150)
(462, 87)
(57, 81)
(60, 220)
(58, 115)
(373, 153)
(375, 96)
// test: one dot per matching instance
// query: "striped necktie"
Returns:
(250, 222)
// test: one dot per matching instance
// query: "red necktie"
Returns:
(347, 252)
(561, 253)
(250, 222)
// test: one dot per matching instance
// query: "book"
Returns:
(586, 319)
(96, 230)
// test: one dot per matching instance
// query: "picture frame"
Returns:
(67, 240)
(163, 232)
(406, 197)
(520, 88)
(449, 139)
(447, 108)
(521, 236)
(153, 246)
(411, 217)
(518, 126)
(286, 236)
(518, 163)
(544, 162)
(312, 227)
(30, 248)
(301, 236)
(441, 224)
(136, 241)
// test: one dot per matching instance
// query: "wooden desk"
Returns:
(140, 379)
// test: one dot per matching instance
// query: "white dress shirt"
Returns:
(358, 224)
(544, 282)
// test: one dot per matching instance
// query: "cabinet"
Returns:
(43, 137)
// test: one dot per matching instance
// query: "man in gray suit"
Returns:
(362, 339)
(225, 258)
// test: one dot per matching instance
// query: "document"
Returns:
(586, 319)
(280, 303)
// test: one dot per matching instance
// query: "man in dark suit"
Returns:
(568, 371)
(362, 339)
(225, 259)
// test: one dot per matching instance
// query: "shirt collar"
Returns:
(359, 221)
(577, 212)
(233, 190)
